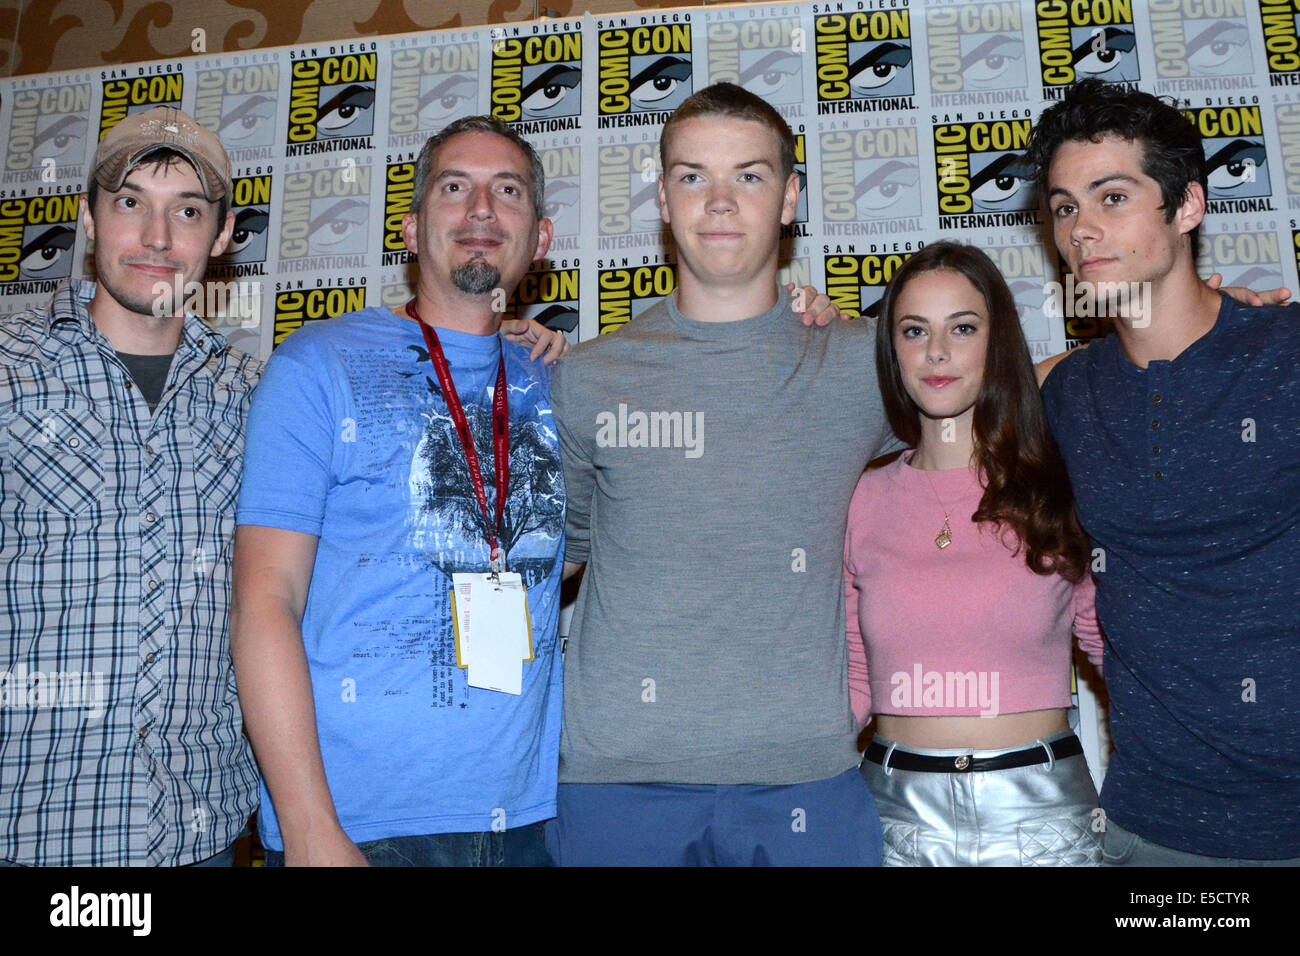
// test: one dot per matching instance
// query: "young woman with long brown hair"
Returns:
(966, 572)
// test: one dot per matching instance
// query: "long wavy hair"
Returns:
(1026, 489)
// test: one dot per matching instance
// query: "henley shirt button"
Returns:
(1155, 449)
(1155, 399)
(1159, 476)
(1155, 424)
(962, 762)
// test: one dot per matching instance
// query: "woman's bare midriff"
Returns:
(974, 733)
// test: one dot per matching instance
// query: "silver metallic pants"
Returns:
(1041, 815)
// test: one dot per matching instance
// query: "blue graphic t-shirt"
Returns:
(349, 439)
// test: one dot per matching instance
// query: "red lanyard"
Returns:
(500, 432)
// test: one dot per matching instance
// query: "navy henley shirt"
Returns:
(1187, 478)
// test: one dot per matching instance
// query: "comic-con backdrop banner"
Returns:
(911, 118)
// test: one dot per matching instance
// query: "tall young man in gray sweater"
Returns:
(710, 449)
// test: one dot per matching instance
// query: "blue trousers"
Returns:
(830, 822)
(520, 846)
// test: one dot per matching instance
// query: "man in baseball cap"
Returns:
(121, 441)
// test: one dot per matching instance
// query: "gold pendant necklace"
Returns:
(944, 537)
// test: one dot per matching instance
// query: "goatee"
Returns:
(477, 277)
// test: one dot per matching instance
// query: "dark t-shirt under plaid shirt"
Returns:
(1187, 477)
(120, 730)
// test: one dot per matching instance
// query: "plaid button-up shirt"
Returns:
(120, 732)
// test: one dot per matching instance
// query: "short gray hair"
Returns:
(481, 124)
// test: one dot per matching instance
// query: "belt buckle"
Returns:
(962, 762)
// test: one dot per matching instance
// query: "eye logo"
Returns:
(553, 92)
(760, 56)
(252, 208)
(1236, 160)
(646, 69)
(628, 190)
(331, 99)
(1105, 51)
(562, 165)
(48, 123)
(432, 86)
(561, 205)
(869, 175)
(656, 85)
(1234, 168)
(1081, 40)
(981, 169)
(325, 213)
(773, 76)
(864, 54)
(346, 110)
(238, 104)
(1187, 42)
(538, 78)
(37, 236)
(997, 181)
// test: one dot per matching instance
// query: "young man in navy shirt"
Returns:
(1180, 436)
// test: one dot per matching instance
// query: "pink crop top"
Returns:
(967, 630)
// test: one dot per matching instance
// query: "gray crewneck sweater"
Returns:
(709, 469)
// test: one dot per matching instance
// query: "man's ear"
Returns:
(1191, 213)
(409, 228)
(790, 204)
(545, 233)
(663, 201)
(87, 220)
(223, 237)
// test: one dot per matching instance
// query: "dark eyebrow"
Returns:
(504, 174)
(924, 321)
(1094, 185)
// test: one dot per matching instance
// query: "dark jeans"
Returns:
(521, 846)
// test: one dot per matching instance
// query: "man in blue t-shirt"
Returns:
(1179, 433)
(358, 506)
